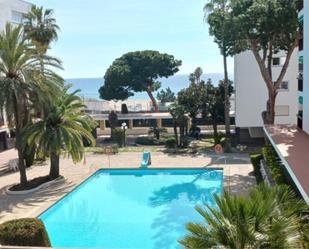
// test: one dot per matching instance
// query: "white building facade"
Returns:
(303, 89)
(13, 11)
(252, 95)
(10, 11)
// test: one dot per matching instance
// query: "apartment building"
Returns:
(10, 11)
(251, 94)
(303, 87)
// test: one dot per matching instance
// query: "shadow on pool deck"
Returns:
(10, 202)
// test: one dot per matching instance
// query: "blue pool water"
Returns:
(131, 208)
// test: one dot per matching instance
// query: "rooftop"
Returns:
(292, 146)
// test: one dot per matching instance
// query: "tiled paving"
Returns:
(292, 145)
(237, 177)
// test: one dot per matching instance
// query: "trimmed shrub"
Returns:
(118, 136)
(170, 142)
(145, 141)
(275, 165)
(24, 232)
(255, 160)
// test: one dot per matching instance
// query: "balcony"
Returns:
(300, 5)
(301, 44)
(300, 119)
(300, 83)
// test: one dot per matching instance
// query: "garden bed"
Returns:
(33, 185)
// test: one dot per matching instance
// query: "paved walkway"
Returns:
(237, 177)
(5, 157)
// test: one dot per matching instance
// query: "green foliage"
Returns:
(119, 136)
(40, 26)
(180, 120)
(255, 160)
(145, 141)
(191, 98)
(166, 95)
(157, 131)
(64, 128)
(266, 21)
(221, 25)
(24, 84)
(137, 72)
(24, 232)
(170, 142)
(275, 165)
(267, 218)
(195, 77)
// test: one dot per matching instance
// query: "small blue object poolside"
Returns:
(146, 159)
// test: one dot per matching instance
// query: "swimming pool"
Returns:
(131, 208)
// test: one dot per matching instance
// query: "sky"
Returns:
(96, 32)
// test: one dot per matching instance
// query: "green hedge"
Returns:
(118, 136)
(255, 160)
(274, 164)
(24, 232)
(170, 142)
(145, 141)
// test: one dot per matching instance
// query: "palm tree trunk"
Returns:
(21, 161)
(153, 100)
(176, 133)
(227, 107)
(54, 165)
(216, 135)
(19, 143)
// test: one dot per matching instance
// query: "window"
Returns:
(284, 86)
(17, 17)
(278, 61)
(282, 110)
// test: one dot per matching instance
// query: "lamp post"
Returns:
(124, 128)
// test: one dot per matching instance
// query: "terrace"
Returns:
(292, 146)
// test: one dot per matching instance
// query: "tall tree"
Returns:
(267, 27)
(217, 14)
(195, 77)
(64, 128)
(212, 106)
(137, 72)
(191, 98)
(19, 79)
(267, 218)
(166, 95)
(180, 120)
(40, 26)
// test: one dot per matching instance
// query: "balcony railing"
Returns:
(300, 85)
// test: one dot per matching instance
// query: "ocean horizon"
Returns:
(90, 86)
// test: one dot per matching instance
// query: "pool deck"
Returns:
(238, 177)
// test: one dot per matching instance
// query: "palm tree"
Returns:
(180, 119)
(19, 80)
(217, 14)
(40, 27)
(64, 128)
(267, 218)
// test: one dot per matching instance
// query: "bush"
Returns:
(118, 136)
(274, 164)
(145, 141)
(24, 232)
(170, 142)
(255, 160)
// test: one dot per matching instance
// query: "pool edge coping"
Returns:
(151, 168)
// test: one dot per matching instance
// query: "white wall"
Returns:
(6, 8)
(306, 69)
(251, 91)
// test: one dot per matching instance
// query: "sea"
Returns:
(89, 86)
